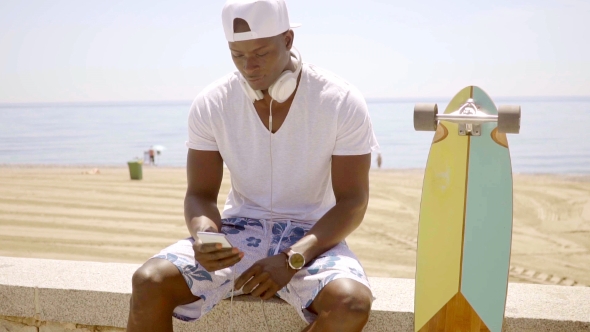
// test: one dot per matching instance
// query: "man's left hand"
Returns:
(266, 277)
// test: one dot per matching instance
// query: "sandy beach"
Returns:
(67, 213)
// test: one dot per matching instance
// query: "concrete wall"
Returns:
(54, 296)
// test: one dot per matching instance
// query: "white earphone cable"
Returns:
(271, 220)
(270, 149)
(231, 301)
(271, 206)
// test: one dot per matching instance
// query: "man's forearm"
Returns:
(333, 227)
(201, 214)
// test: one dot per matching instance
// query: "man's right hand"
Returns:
(212, 257)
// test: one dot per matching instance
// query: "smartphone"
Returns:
(211, 237)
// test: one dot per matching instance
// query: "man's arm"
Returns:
(204, 174)
(350, 182)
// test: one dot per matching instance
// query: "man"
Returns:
(152, 156)
(297, 142)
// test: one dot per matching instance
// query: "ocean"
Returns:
(554, 136)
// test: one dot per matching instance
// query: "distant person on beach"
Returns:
(152, 156)
(379, 160)
(297, 141)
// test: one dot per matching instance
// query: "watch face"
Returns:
(296, 260)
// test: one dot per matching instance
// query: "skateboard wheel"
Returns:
(425, 117)
(509, 119)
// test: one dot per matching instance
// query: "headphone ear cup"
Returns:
(286, 84)
(252, 94)
(283, 88)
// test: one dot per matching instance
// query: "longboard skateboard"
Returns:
(465, 227)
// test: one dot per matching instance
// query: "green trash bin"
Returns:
(135, 170)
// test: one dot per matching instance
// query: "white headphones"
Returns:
(282, 88)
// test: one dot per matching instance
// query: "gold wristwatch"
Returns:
(295, 260)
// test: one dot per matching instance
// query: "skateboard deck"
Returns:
(465, 227)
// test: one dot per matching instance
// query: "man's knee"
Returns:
(347, 298)
(157, 278)
(147, 277)
(352, 297)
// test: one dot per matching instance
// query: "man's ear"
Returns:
(289, 37)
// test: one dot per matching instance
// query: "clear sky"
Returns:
(85, 51)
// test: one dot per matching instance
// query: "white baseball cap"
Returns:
(266, 18)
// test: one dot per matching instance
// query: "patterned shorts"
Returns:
(259, 239)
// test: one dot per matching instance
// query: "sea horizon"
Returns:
(553, 139)
(369, 100)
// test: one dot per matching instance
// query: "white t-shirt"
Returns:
(328, 117)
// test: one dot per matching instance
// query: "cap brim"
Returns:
(295, 25)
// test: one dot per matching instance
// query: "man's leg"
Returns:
(158, 288)
(342, 305)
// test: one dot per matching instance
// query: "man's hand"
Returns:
(266, 277)
(212, 257)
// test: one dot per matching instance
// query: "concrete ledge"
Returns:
(38, 294)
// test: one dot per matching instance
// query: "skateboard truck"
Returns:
(472, 129)
(469, 117)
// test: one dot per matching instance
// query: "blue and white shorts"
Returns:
(252, 236)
